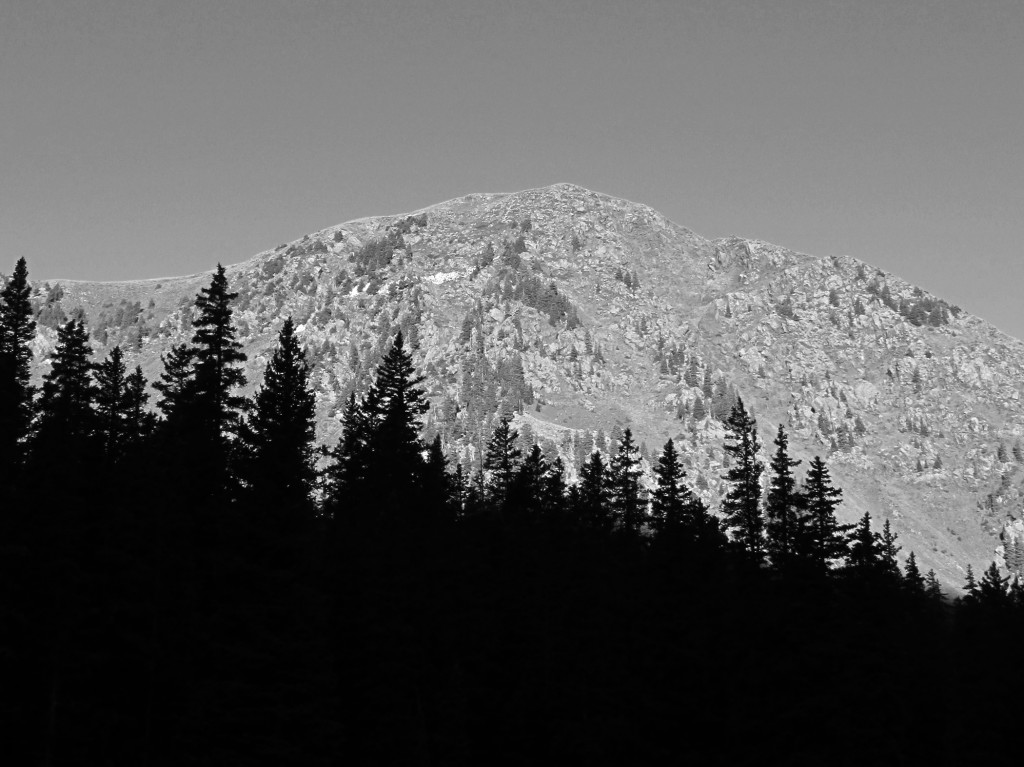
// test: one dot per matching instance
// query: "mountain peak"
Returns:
(583, 313)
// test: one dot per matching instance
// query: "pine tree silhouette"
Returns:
(628, 498)
(864, 558)
(442, 492)
(502, 464)
(824, 540)
(991, 590)
(889, 550)
(395, 407)
(678, 516)
(66, 422)
(554, 499)
(528, 488)
(122, 419)
(138, 422)
(932, 587)
(348, 477)
(742, 504)
(593, 497)
(915, 582)
(783, 506)
(280, 430)
(218, 375)
(17, 329)
(200, 401)
(177, 385)
(670, 495)
(970, 585)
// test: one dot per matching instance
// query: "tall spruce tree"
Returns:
(115, 408)
(678, 515)
(529, 485)
(970, 585)
(932, 587)
(628, 497)
(138, 422)
(442, 492)
(915, 582)
(347, 477)
(592, 495)
(889, 551)
(864, 557)
(17, 329)
(670, 495)
(177, 385)
(280, 430)
(992, 590)
(401, 403)
(553, 494)
(742, 504)
(66, 423)
(502, 463)
(218, 362)
(824, 541)
(784, 506)
(200, 399)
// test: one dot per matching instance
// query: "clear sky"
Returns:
(141, 138)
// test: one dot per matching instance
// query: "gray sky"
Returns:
(142, 138)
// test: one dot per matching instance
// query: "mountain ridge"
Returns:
(583, 313)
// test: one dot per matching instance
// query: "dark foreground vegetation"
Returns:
(185, 587)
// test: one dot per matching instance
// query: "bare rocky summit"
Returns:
(582, 314)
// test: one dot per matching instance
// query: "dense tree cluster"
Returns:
(919, 310)
(520, 284)
(200, 584)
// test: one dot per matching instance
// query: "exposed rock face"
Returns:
(590, 313)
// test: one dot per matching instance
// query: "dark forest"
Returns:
(188, 578)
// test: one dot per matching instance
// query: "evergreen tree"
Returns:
(889, 551)
(677, 514)
(699, 411)
(280, 431)
(915, 582)
(932, 587)
(401, 403)
(629, 502)
(442, 492)
(554, 491)
(593, 495)
(347, 478)
(970, 585)
(502, 463)
(864, 556)
(670, 494)
(17, 329)
(824, 541)
(112, 404)
(529, 485)
(783, 505)
(991, 590)
(66, 422)
(218, 357)
(140, 422)
(177, 384)
(200, 401)
(1016, 592)
(742, 504)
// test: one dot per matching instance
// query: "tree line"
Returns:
(189, 578)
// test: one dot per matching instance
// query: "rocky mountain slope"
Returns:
(582, 314)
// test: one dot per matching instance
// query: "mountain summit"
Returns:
(582, 314)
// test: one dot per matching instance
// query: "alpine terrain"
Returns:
(582, 314)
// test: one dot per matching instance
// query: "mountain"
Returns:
(584, 313)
